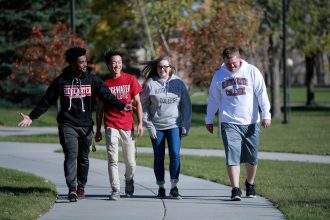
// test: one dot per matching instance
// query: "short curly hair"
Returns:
(72, 54)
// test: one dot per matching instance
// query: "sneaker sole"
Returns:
(236, 198)
(251, 196)
(177, 197)
(129, 193)
(73, 199)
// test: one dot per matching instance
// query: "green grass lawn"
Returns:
(308, 132)
(297, 95)
(10, 117)
(23, 195)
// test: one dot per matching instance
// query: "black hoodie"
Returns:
(77, 96)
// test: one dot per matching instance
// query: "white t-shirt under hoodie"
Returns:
(238, 96)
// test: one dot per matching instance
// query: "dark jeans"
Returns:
(75, 142)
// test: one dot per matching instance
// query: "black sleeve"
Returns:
(105, 95)
(47, 100)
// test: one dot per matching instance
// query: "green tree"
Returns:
(17, 19)
(310, 32)
(160, 21)
(41, 59)
(131, 25)
(115, 28)
(271, 30)
(218, 25)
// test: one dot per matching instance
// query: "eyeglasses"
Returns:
(163, 67)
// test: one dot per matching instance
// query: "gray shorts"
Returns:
(241, 143)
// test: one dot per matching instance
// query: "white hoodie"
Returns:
(238, 96)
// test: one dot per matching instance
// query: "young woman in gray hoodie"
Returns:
(167, 116)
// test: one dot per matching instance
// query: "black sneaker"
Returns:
(129, 187)
(250, 191)
(236, 194)
(73, 197)
(174, 193)
(161, 193)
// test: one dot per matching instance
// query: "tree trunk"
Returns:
(273, 69)
(309, 62)
(319, 69)
(146, 26)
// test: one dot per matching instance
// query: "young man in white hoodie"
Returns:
(237, 91)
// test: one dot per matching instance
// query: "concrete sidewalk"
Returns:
(201, 199)
(18, 131)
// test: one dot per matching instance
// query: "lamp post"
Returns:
(73, 19)
(285, 75)
(289, 64)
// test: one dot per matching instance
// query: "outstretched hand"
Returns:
(26, 121)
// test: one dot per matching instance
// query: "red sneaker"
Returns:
(81, 194)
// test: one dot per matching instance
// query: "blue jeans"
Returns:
(174, 141)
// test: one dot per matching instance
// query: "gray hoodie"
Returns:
(166, 105)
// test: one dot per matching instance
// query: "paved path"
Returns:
(10, 131)
(201, 199)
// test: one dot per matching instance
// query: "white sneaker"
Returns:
(115, 195)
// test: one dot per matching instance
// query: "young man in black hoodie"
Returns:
(77, 89)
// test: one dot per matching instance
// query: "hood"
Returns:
(173, 77)
(68, 73)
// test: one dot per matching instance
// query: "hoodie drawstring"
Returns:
(70, 98)
(166, 87)
(80, 96)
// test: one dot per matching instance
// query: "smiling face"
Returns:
(115, 65)
(80, 66)
(233, 63)
(163, 69)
